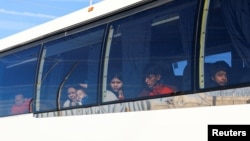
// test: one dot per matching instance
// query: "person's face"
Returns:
(72, 93)
(80, 94)
(152, 79)
(220, 78)
(116, 84)
(19, 100)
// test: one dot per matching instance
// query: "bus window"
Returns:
(161, 36)
(181, 73)
(227, 40)
(18, 69)
(70, 63)
(213, 66)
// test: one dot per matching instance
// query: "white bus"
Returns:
(130, 55)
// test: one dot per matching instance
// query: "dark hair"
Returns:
(80, 88)
(153, 68)
(114, 75)
(219, 66)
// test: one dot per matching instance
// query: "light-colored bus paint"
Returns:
(161, 125)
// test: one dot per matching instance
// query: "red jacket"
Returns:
(21, 109)
(157, 90)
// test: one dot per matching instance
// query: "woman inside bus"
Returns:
(115, 88)
(116, 85)
(72, 97)
(219, 73)
(153, 82)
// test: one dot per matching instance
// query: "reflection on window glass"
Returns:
(225, 56)
(17, 82)
(144, 50)
(179, 67)
(70, 71)
(227, 45)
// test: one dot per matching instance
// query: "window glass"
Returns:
(179, 67)
(225, 56)
(146, 51)
(18, 70)
(70, 71)
(227, 45)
